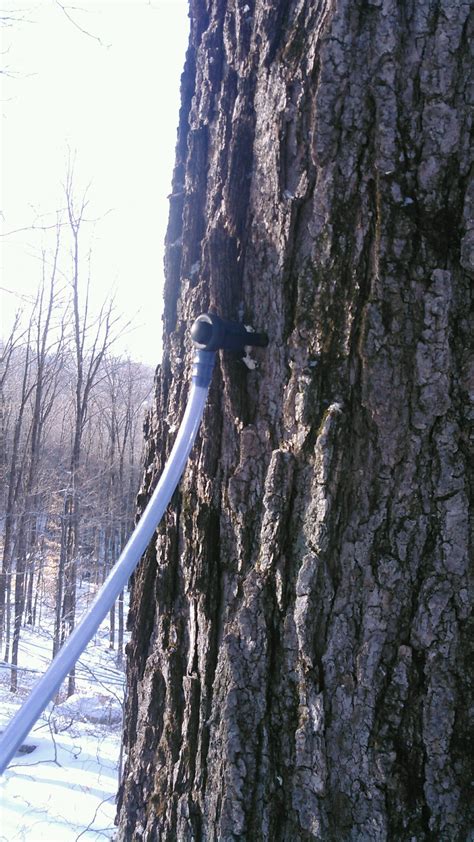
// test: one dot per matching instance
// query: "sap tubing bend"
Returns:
(49, 683)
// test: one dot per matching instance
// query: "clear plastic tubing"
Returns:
(49, 683)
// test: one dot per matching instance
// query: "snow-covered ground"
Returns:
(64, 789)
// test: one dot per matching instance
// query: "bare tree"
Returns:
(46, 353)
(7, 348)
(92, 337)
(126, 393)
(299, 663)
(38, 428)
(16, 464)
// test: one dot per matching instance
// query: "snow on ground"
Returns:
(64, 789)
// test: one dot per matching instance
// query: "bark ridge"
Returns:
(299, 665)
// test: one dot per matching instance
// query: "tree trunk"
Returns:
(298, 668)
(17, 621)
(58, 602)
(15, 476)
(30, 590)
(38, 591)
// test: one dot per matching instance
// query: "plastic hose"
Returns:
(117, 580)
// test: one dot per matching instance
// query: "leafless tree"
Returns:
(92, 338)
(47, 352)
(16, 465)
(124, 398)
(7, 347)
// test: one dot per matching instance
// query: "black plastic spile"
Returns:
(211, 333)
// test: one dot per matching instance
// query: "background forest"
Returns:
(73, 394)
(70, 439)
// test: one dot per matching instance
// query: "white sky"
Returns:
(117, 105)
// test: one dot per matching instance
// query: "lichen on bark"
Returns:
(299, 661)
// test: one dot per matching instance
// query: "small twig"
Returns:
(89, 826)
(51, 731)
(30, 298)
(33, 227)
(9, 17)
(67, 10)
(102, 684)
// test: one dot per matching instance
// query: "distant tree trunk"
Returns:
(58, 602)
(299, 662)
(42, 406)
(37, 588)
(31, 574)
(91, 341)
(15, 485)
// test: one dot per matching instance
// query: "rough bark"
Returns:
(299, 665)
